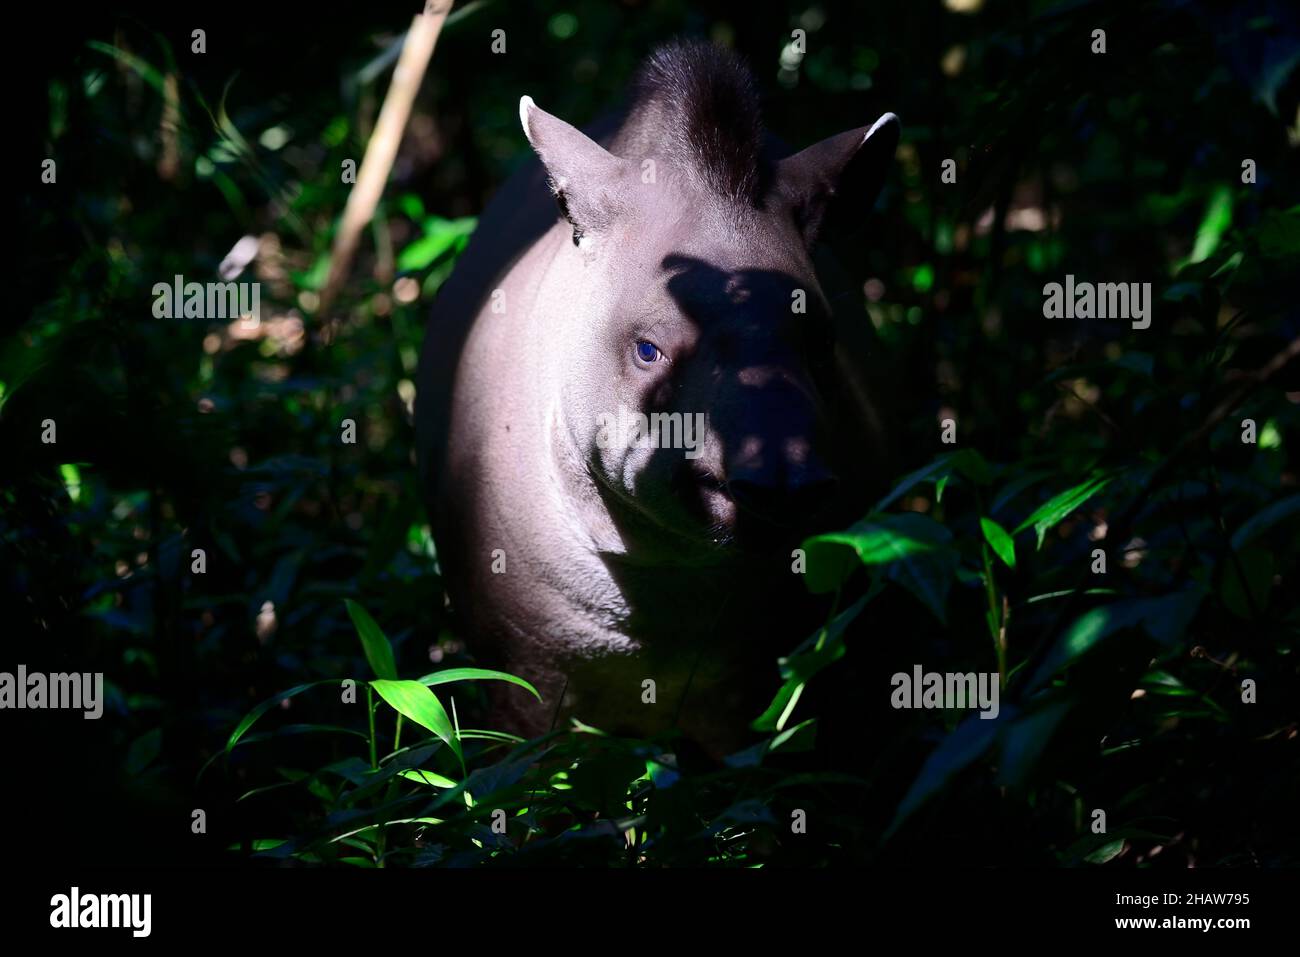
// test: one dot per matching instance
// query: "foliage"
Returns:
(1121, 690)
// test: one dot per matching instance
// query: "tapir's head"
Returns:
(701, 387)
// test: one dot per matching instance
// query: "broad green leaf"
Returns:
(440, 237)
(476, 674)
(143, 751)
(916, 549)
(957, 751)
(1261, 521)
(1059, 506)
(495, 778)
(878, 539)
(1165, 619)
(419, 704)
(411, 205)
(929, 577)
(373, 640)
(974, 466)
(1002, 543)
(1246, 597)
(1279, 234)
(1106, 852)
(420, 776)
(1024, 739)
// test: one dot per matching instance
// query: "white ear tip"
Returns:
(886, 119)
(526, 105)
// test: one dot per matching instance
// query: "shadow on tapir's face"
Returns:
(720, 436)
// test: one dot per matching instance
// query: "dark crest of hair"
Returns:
(702, 104)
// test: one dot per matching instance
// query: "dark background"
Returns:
(176, 434)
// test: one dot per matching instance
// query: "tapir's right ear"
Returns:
(586, 179)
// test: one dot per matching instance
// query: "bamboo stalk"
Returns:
(381, 150)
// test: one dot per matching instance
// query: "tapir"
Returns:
(634, 400)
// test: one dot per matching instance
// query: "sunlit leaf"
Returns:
(1003, 544)
(476, 674)
(440, 237)
(1052, 512)
(416, 702)
(373, 641)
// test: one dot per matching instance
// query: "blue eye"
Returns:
(647, 351)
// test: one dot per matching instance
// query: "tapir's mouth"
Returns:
(701, 531)
(713, 519)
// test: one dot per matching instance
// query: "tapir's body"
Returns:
(672, 283)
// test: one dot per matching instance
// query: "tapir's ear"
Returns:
(847, 169)
(586, 179)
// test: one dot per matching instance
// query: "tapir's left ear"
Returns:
(848, 169)
(587, 180)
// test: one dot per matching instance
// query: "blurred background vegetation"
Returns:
(1123, 690)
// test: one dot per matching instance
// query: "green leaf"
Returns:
(822, 649)
(373, 640)
(1165, 619)
(939, 467)
(929, 577)
(1002, 543)
(957, 751)
(143, 752)
(430, 778)
(1059, 506)
(878, 539)
(1244, 597)
(916, 549)
(1024, 739)
(1257, 524)
(440, 237)
(1106, 852)
(974, 466)
(1279, 234)
(1215, 222)
(146, 72)
(476, 674)
(416, 702)
(252, 716)
(412, 206)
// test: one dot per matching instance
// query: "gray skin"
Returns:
(588, 567)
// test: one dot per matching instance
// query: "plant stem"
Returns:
(995, 616)
(370, 708)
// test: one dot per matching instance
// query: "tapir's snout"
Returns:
(773, 470)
